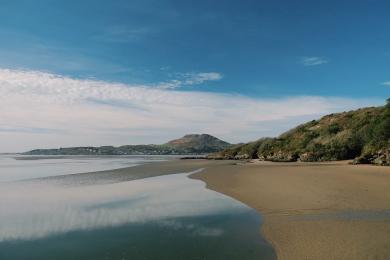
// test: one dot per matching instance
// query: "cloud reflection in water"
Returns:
(37, 210)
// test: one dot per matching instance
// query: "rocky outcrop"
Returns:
(381, 157)
(280, 156)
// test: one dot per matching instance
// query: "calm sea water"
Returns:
(166, 217)
(18, 167)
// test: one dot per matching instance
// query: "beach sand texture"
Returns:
(313, 210)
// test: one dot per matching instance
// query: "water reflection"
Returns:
(17, 167)
(166, 217)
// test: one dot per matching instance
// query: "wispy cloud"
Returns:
(313, 61)
(189, 79)
(83, 111)
(386, 83)
(199, 78)
(165, 68)
(35, 130)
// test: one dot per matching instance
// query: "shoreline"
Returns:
(327, 210)
(141, 171)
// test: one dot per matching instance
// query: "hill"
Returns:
(362, 135)
(196, 143)
(189, 144)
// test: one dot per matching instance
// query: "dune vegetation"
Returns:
(362, 135)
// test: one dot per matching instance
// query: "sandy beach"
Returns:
(311, 210)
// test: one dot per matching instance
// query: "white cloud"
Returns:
(386, 83)
(313, 61)
(199, 78)
(51, 111)
(189, 79)
(172, 84)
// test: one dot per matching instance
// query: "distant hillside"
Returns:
(189, 144)
(195, 143)
(363, 135)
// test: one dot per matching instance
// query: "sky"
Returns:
(130, 72)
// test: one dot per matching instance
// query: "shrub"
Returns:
(334, 129)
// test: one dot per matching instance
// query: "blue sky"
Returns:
(263, 50)
(257, 45)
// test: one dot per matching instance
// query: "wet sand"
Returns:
(150, 169)
(311, 210)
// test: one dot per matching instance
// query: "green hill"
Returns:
(189, 144)
(198, 143)
(363, 135)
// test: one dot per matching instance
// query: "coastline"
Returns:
(311, 210)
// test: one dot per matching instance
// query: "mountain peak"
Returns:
(198, 142)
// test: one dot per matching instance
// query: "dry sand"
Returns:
(313, 211)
